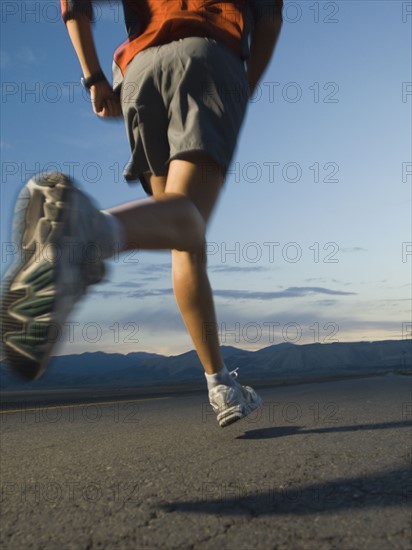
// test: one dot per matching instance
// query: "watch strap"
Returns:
(92, 79)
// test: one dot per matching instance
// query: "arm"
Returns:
(264, 37)
(105, 102)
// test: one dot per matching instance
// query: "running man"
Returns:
(182, 82)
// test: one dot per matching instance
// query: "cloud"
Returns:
(254, 329)
(326, 303)
(324, 280)
(250, 320)
(128, 284)
(150, 292)
(337, 281)
(153, 268)
(236, 269)
(394, 300)
(129, 290)
(106, 293)
(291, 292)
(131, 259)
(316, 279)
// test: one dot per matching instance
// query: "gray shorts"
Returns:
(184, 96)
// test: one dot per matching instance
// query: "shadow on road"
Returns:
(382, 489)
(281, 431)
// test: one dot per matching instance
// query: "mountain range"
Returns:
(280, 362)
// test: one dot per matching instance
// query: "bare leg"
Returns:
(200, 182)
(194, 298)
(166, 221)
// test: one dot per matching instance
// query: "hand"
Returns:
(105, 102)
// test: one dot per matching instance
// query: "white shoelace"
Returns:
(234, 373)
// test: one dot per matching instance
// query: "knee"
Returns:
(190, 231)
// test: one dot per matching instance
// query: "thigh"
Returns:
(158, 185)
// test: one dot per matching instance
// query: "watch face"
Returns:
(93, 79)
(84, 83)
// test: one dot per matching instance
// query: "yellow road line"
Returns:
(82, 405)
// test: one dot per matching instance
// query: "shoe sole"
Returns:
(237, 412)
(28, 293)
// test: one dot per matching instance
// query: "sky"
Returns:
(311, 238)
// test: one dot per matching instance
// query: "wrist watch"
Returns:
(92, 79)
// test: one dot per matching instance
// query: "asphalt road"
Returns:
(322, 466)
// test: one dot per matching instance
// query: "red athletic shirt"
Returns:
(155, 22)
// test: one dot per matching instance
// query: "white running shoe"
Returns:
(231, 403)
(55, 227)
